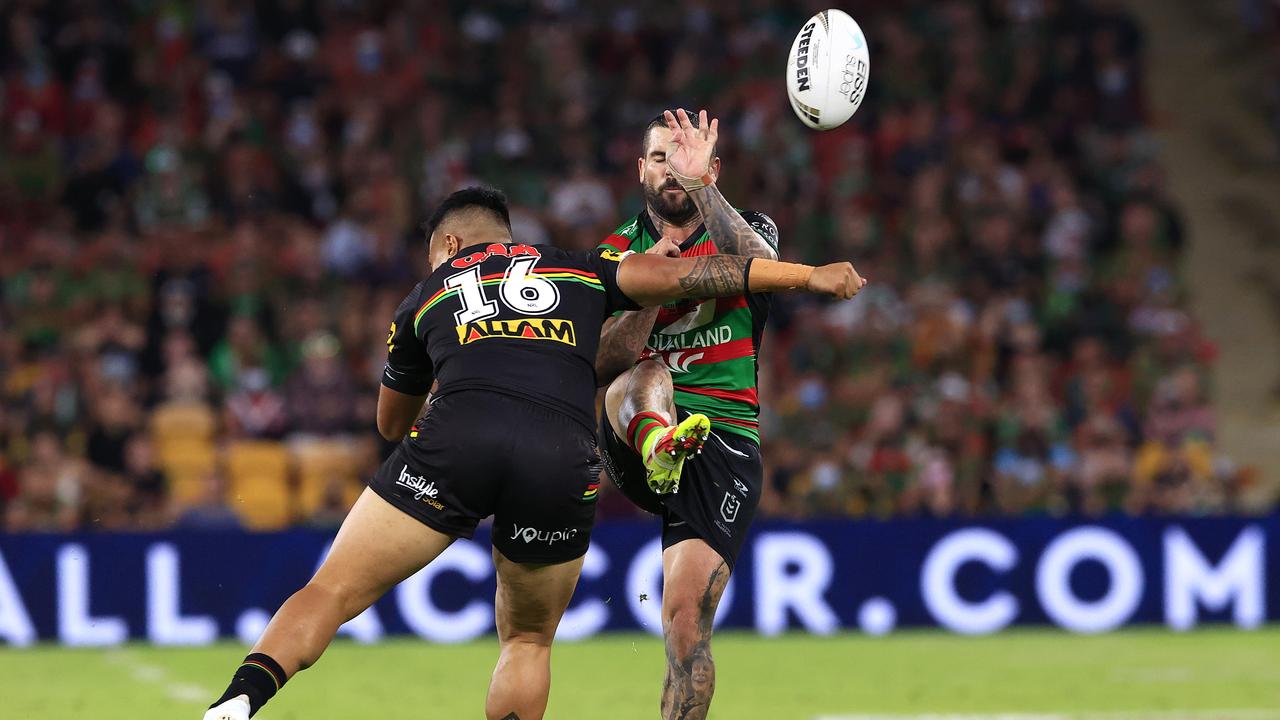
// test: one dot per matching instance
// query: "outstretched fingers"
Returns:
(677, 132)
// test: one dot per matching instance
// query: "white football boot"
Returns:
(237, 708)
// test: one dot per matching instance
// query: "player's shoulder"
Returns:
(624, 235)
(764, 226)
(415, 295)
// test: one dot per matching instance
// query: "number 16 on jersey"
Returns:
(518, 288)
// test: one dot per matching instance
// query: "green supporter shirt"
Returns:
(712, 346)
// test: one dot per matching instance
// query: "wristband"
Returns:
(694, 183)
(775, 276)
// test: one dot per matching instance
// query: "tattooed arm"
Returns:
(650, 280)
(729, 230)
(622, 340)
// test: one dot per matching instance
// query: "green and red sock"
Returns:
(642, 427)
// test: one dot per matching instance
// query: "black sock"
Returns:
(258, 677)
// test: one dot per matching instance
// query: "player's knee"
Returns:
(650, 371)
(686, 629)
(531, 626)
(343, 599)
(527, 639)
(614, 395)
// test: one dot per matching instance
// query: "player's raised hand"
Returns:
(839, 280)
(665, 247)
(689, 154)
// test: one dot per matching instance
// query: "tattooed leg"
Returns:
(694, 577)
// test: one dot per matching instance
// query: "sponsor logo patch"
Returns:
(661, 342)
(729, 507)
(679, 361)
(495, 249)
(531, 535)
(422, 489)
(853, 82)
(560, 331)
(802, 56)
(614, 255)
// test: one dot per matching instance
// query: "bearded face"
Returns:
(670, 201)
(661, 191)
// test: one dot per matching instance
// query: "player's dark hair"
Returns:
(487, 199)
(660, 120)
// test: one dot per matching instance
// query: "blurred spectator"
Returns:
(333, 507)
(51, 488)
(320, 397)
(254, 409)
(148, 485)
(211, 512)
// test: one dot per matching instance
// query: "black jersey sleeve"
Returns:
(764, 226)
(604, 263)
(408, 369)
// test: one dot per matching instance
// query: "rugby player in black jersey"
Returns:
(509, 333)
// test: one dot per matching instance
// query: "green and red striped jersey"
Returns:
(711, 346)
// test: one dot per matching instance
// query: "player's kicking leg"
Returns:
(530, 601)
(377, 547)
(641, 410)
(703, 529)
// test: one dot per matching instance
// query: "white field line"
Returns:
(1225, 714)
(155, 675)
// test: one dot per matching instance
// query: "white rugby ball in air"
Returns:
(827, 70)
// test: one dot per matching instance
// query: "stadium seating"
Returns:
(259, 480)
(318, 465)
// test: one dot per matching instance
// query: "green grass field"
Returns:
(1132, 675)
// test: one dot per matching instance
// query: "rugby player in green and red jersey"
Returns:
(697, 366)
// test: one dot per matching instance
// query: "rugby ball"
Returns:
(827, 70)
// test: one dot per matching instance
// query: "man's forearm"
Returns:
(723, 275)
(726, 227)
(653, 281)
(621, 342)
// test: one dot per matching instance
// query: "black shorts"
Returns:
(719, 489)
(477, 454)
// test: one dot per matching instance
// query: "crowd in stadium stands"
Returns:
(209, 211)
(1262, 20)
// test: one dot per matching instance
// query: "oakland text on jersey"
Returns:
(660, 342)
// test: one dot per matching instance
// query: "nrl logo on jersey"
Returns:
(659, 342)
(531, 329)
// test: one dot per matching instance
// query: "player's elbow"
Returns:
(608, 370)
(392, 426)
(390, 430)
(766, 253)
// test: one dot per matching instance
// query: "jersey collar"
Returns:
(652, 229)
